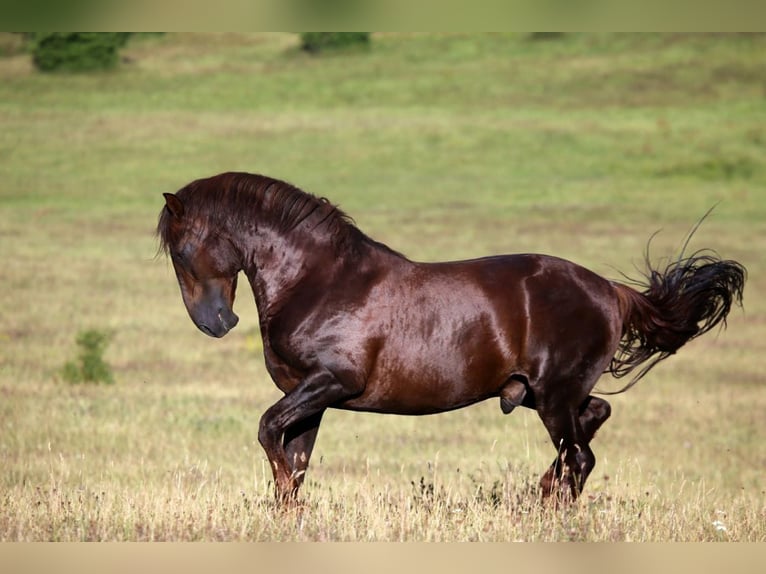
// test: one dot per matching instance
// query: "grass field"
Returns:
(442, 146)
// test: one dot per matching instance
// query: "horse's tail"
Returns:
(687, 298)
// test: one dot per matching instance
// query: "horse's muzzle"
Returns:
(224, 321)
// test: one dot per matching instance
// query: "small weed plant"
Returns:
(90, 366)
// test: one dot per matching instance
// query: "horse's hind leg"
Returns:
(593, 413)
(567, 475)
(572, 435)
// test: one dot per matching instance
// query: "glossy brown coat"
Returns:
(349, 323)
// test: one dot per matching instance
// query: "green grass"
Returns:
(443, 146)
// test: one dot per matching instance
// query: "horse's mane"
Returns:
(240, 199)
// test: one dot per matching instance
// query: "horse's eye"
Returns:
(182, 255)
(180, 258)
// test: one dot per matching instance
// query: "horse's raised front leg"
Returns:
(288, 429)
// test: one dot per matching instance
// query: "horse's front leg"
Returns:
(298, 443)
(288, 429)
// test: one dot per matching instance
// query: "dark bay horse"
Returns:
(348, 323)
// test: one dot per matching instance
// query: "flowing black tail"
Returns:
(687, 298)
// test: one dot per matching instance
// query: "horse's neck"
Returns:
(283, 266)
(276, 264)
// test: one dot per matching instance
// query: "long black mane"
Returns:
(239, 200)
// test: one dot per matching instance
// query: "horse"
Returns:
(349, 323)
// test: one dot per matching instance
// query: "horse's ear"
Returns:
(174, 205)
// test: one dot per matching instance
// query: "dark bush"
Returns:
(77, 51)
(318, 41)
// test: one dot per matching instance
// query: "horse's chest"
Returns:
(280, 364)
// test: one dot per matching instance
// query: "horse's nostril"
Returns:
(207, 330)
(227, 318)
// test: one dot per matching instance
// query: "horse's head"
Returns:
(206, 264)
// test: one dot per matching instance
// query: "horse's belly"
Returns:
(406, 404)
(425, 388)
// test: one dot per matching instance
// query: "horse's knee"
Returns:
(263, 435)
(268, 436)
